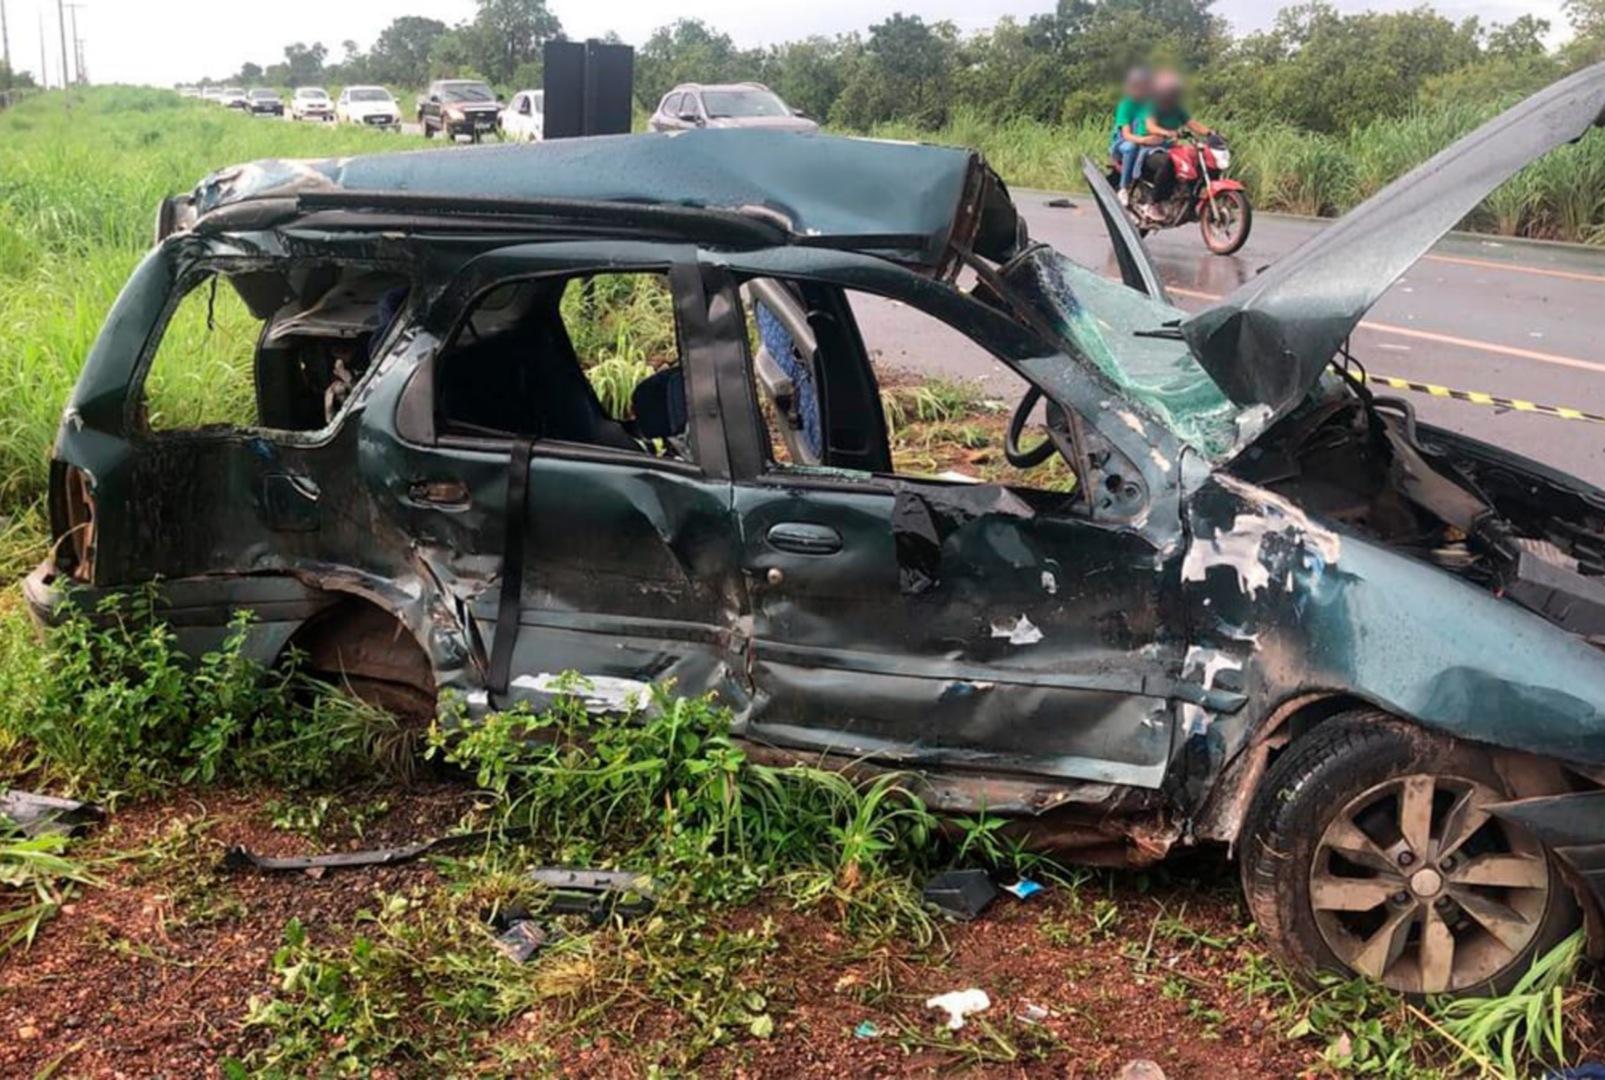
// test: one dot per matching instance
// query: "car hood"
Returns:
(1267, 343)
(368, 108)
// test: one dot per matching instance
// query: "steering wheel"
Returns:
(1026, 459)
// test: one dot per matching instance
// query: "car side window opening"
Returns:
(588, 359)
(280, 349)
(943, 402)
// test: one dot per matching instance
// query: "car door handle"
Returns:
(804, 538)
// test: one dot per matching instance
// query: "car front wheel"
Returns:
(1368, 849)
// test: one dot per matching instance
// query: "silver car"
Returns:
(727, 105)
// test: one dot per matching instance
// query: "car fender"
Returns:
(1282, 606)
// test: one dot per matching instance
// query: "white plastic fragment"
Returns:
(1021, 631)
(958, 1004)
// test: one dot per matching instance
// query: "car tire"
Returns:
(1329, 832)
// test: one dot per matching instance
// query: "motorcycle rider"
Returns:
(1125, 145)
(1163, 121)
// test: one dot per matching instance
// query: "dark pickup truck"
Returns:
(456, 107)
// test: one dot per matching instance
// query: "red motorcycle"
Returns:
(1202, 193)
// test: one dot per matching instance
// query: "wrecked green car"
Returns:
(1263, 606)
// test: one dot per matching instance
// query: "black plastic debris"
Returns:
(596, 894)
(963, 894)
(1061, 204)
(240, 857)
(522, 939)
(37, 815)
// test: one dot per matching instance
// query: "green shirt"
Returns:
(1173, 118)
(1126, 113)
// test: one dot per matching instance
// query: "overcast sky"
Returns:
(167, 41)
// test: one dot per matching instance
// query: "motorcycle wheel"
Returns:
(1226, 221)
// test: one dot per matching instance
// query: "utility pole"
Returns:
(61, 25)
(44, 71)
(77, 45)
(5, 44)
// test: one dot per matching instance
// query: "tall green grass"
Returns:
(80, 178)
(1559, 197)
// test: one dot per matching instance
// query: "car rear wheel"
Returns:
(1367, 849)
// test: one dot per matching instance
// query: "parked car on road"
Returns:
(263, 102)
(524, 119)
(212, 94)
(311, 103)
(371, 106)
(726, 105)
(234, 97)
(1245, 600)
(454, 107)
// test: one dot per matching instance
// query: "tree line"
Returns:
(1316, 68)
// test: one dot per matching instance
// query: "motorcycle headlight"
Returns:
(1223, 157)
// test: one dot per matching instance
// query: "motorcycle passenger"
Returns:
(1125, 145)
(1164, 120)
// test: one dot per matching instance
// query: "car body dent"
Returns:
(1304, 608)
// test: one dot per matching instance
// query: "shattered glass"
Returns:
(1112, 326)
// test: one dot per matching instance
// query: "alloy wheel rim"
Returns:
(1415, 885)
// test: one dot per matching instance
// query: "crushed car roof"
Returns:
(913, 202)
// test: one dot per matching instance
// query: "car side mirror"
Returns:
(434, 99)
(690, 118)
(799, 113)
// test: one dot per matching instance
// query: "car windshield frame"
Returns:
(312, 93)
(371, 94)
(1133, 342)
(262, 95)
(709, 97)
(467, 93)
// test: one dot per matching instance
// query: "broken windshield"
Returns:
(1132, 341)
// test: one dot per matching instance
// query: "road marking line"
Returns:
(1494, 264)
(1444, 339)
(1477, 397)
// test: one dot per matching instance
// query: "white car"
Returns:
(370, 106)
(311, 103)
(233, 97)
(524, 119)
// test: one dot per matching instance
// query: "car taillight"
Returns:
(75, 520)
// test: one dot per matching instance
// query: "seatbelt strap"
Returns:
(514, 515)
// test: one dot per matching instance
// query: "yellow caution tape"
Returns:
(1476, 397)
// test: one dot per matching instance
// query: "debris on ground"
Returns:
(239, 857)
(597, 894)
(866, 1029)
(1061, 204)
(959, 1004)
(1023, 888)
(1140, 1069)
(963, 894)
(522, 939)
(1031, 1013)
(38, 815)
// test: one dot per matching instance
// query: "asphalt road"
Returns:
(1509, 318)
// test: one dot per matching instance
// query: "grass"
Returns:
(1560, 197)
